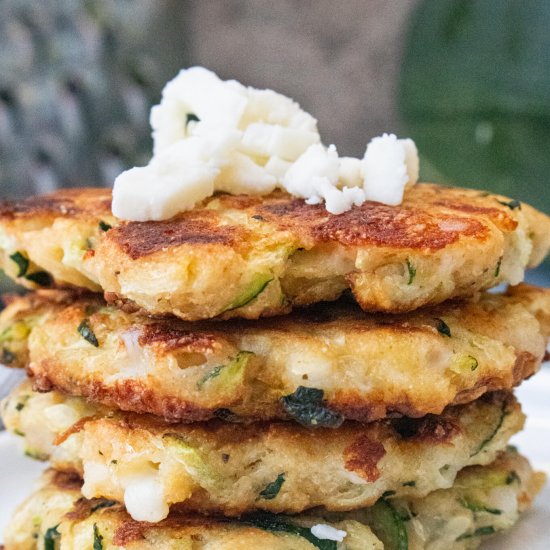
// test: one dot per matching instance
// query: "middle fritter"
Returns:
(317, 366)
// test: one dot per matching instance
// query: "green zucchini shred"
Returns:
(479, 532)
(475, 506)
(412, 272)
(227, 372)
(388, 525)
(490, 437)
(251, 293)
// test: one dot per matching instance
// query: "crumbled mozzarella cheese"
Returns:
(210, 135)
(327, 532)
(145, 500)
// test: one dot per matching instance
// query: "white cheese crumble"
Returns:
(327, 532)
(145, 500)
(213, 135)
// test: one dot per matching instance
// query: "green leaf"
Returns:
(22, 263)
(475, 94)
(98, 539)
(279, 524)
(388, 526)
(85, 330)
(307, 406)
(272, 489)
(51, 535)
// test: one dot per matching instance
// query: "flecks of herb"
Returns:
(191, 117)
(41, 278)
(497, 268)
(481, 531)
(272, 489)
(225, 457)
(276, 524)
(18, 432)
(103, 504)
(104, 226)
(98, 539)
(512, 477)
(7, 357)
(412, 272)
(114, 462)
(19, 406)
(512, 204)
(442, 327)
(387, 494)
(307, 406)
(474, 363)
(258, 217)
(22, 263)
(409, 484)
(85, 330)
(51, 535)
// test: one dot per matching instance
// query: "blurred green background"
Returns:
(468, 80)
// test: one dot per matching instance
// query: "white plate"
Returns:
(18, 473)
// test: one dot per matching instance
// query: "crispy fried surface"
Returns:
(226, 468)
(244, 256)
(435, 521)
(367, 366)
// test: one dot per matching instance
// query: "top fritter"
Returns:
(252, 256)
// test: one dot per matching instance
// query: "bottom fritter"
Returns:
(279, 467)
(483, 500)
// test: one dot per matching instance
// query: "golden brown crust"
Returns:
(180, 371)
(219, 467)
(66, 203)
(243, 256)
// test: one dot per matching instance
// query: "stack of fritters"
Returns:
(179, 411)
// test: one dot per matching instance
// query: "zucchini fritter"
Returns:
(250, 256)
(484, 500)
(277, 467)
(356, 365)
